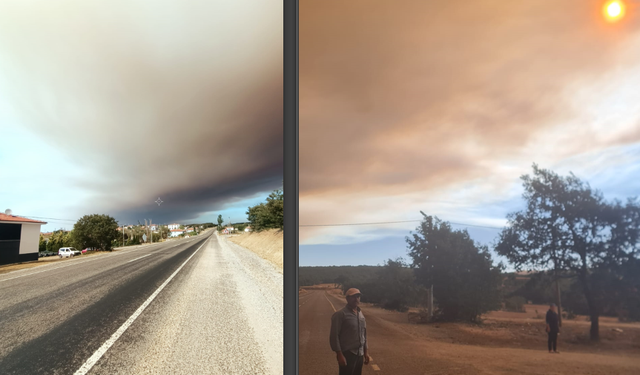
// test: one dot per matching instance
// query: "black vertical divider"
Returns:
(290, 321)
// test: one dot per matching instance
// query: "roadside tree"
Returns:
(275, 208)
(98, 231)
(220, 222)
(269, 215)
(569, 228)
(465, 282)
(58, 239)
(42, 244)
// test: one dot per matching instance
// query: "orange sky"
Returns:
(441, 105)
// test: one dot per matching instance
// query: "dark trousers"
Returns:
(354, 364)
(553, 340)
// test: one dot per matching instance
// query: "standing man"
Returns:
(348, 336)
(553, 328)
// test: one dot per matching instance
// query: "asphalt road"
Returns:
(193, 306)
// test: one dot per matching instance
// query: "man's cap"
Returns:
(352, 292)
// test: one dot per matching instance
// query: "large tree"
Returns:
(569, 228)
(269, 215)
(465, 282)
(97, 231)
(220, 222)
(275, 207)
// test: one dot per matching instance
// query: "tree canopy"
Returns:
(58, 239)
(465, 282)
(569, 227)
(42, 244)
(97, 231)
(220, 221)
(269, 215)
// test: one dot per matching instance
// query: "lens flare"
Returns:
(613, 10)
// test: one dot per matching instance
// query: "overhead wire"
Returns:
(393, 222)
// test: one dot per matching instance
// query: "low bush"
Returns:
(515, 304)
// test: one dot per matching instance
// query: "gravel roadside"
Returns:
(222, 314)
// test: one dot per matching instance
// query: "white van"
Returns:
(66, 252)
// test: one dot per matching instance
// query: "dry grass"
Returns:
(320, 286)
(21, 266)
(267, 245)
(41, 261)
(47, 260)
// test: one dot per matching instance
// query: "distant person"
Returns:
(348, 336)
(553, 328)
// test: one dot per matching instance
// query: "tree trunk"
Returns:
(430, 303)
(593, 311)
(595, 327)
(559, 302)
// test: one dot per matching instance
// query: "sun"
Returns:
(613, 10)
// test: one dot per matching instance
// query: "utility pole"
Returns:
(146, 226)
(558, 297)
(430, 303)
(555, 270)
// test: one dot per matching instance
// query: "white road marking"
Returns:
(103, 349)
(325, 296)
(138, 258)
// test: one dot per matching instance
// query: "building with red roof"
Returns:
(19, 238)
(176, 232)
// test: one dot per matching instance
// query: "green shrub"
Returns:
(515, 304)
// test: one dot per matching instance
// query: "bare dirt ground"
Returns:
(267, 245)
(504, 343)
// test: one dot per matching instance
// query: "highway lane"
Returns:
(54, 318)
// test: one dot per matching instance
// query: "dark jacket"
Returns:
(553, 321)
(348, 331)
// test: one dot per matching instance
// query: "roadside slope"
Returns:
(267, 245)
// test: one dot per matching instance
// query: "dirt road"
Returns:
(398, 347)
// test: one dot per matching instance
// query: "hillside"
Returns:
(268, 245)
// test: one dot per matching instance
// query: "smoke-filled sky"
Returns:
(441, 106)
(106, 106)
